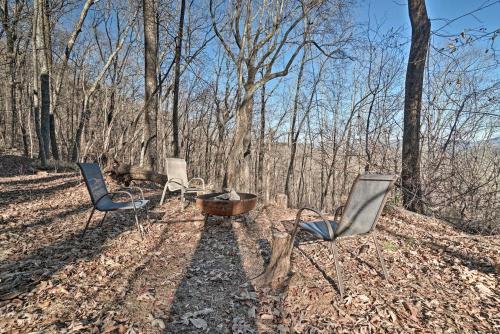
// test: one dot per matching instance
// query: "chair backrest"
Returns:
(94, 180)
(365, 203)
(177, 171)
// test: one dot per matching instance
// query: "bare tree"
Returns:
(56, 89)
(88, 94)
(410, 169)
(260, 32)
(41, 93)
(148, 149)
(177, 75)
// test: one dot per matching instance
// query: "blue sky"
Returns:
(394, 13)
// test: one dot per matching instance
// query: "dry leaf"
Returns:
(198, 323)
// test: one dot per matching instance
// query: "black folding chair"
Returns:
(102, 199)
(358, 217)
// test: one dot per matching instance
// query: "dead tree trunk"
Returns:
(410, 169)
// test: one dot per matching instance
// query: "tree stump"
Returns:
(278, 268)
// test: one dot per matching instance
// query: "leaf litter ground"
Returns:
(190, 277)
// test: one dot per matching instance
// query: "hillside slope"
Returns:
(191, 277)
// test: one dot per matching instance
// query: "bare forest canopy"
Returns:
(268, 96)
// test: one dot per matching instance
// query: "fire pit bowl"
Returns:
(227, 208)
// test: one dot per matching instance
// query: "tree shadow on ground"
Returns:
(47, 220)
(19, 196)
(23, 273)
(31, 181)
(321, 269)
(470, 261)
(215, 284)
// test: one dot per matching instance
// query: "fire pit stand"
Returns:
(211, 206)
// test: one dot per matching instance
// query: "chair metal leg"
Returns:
(146, 230)
(163, 195)
(147, 213)
(87, 225)
(102, 220)
(338, 269)
(380, 257)
(139, 226)
(182, 198)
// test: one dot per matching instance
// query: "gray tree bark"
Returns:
(292, 136)
(177, 76)
(410, 169)
(148, 149)
(9, 23)
(41, 104)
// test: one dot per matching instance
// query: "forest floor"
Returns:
(186, 276)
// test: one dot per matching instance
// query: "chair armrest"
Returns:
(175, 180)
(198, 179)
(133, 188)
(325, 221)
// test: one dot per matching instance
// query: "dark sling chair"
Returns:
(359, 217)
(102, 200)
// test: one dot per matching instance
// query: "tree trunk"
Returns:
(41, 70)
(10, 32)
(47, 54)
(293, 141)
(148, 149)
(12, 93)
(177, 75)
(239, 154)
(410, 169)
(37, 43)
(84, 118)
(260, 164)
(45, 110)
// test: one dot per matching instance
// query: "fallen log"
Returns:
(125, 173)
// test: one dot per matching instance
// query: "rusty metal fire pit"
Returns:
(212, 206)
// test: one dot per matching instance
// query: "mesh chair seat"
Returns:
(107, 204)
(177, 172)
(319, 229)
